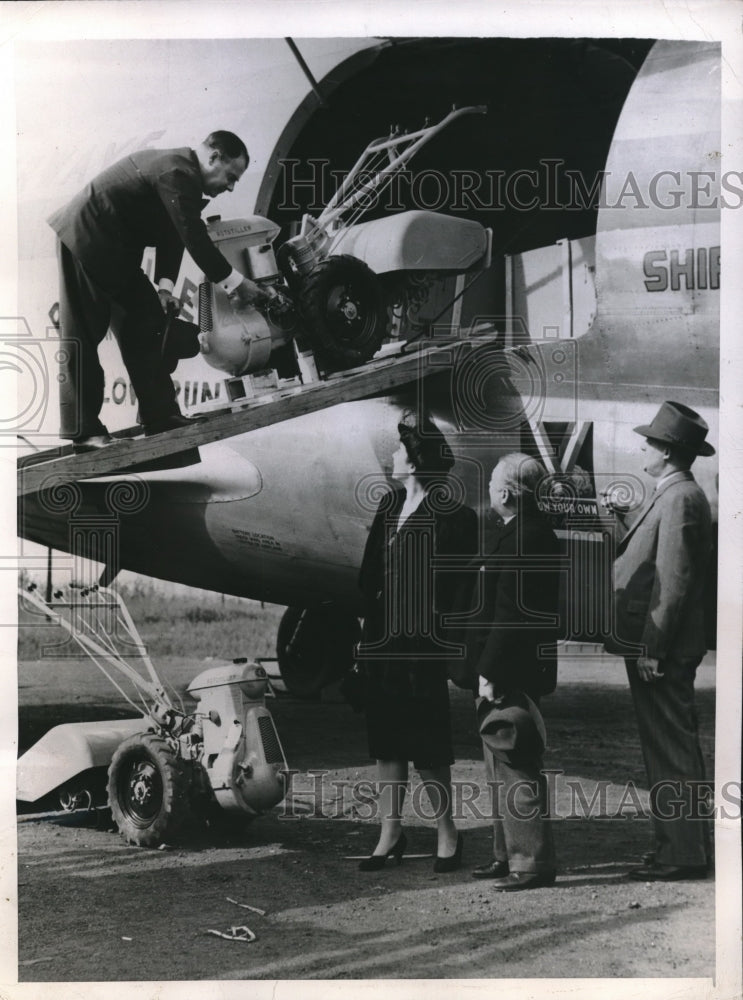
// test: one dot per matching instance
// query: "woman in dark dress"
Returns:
(417, 548)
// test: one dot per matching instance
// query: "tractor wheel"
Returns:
(148, 790)
(343, 306)
(314, 647)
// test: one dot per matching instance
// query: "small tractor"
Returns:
(340, 287)
(169, 768)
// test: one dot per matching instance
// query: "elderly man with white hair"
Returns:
(513, 653)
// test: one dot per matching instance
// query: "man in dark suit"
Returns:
(659, 592)
(513, 653)
(152, 198)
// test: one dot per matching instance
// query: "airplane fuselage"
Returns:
(281, 514)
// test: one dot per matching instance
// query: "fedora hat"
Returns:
(513, 722)
(678, 425)
(180, 340)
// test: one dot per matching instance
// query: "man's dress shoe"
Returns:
(518, 881)
(667, 873)
(92, 442)
(494, 869)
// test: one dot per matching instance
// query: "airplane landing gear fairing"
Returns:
(314, 647)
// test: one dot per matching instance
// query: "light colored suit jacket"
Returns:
(660, 574)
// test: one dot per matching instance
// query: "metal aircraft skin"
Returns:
(281, 514)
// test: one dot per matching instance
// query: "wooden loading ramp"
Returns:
(136, 454)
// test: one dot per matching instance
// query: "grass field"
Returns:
(181, 622)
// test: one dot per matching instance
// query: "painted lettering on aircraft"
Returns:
(188, 296)
(573, 506)
(188, 293)
(257, 539)
(197, 391)
(190, 393)
(692, 268)
(121, 392)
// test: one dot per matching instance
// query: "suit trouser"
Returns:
(667, 723)
(136, 318)
(522, 832)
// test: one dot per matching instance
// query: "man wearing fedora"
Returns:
(659, 590)
(513, 653)
(151, 198)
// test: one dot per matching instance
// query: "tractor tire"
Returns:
(344, 310)
(314, 647)
(148, 791)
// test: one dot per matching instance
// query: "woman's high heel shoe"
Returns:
(454, 860)
(377, 861)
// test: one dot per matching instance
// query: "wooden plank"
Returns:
(375, 378)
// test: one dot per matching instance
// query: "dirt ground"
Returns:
(91, 908)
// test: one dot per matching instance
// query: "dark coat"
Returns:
(406, 595)
(444, 540)
(409, 579)
(152, 198)
(660, 574)
(513, 645)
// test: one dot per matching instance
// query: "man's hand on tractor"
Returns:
(169, 302)
(279, 301)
